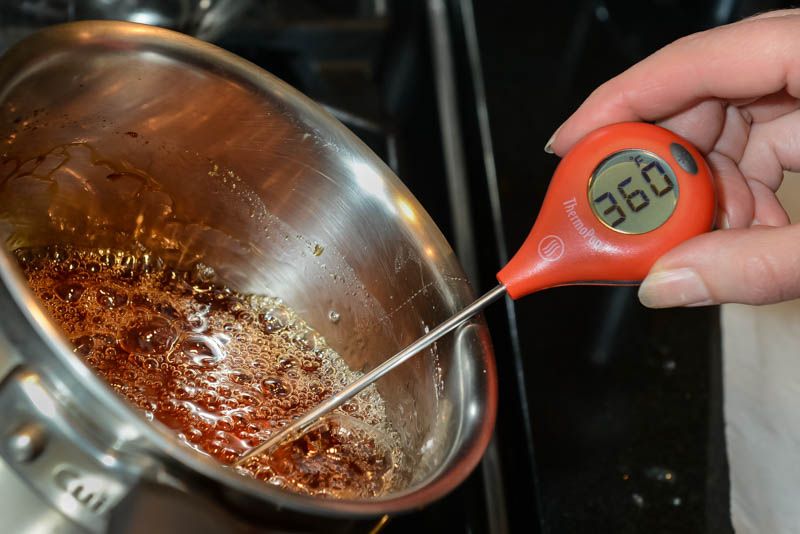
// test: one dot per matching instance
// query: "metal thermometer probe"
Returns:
(305, 421)
(622, 197)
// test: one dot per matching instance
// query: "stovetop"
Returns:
(610, 415)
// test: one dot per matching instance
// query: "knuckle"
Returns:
(765, 279)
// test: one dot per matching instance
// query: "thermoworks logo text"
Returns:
(584, 230)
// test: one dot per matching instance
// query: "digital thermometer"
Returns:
(622, 197)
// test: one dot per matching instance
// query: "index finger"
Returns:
(748, 59)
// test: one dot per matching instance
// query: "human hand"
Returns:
(733, 92)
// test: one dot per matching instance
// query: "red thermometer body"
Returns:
(622, 197)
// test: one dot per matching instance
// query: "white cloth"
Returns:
(761, 377)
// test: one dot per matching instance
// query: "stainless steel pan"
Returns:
(227, 164)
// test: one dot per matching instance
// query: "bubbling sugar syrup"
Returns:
(222, 369)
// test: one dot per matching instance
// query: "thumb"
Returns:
(758, 265)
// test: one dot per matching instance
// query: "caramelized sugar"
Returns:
(222, 369)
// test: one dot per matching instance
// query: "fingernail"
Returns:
(548, 146)
(675, 287)
(724, 223)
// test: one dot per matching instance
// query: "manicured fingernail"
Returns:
(548, 146)
(675, 287)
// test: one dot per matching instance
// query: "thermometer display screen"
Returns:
(633, 191)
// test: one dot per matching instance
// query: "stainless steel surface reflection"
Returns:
(204, 19)
(113, 133)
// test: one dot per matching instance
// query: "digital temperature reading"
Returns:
(633, 191)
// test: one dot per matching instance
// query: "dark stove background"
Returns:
(610, 414)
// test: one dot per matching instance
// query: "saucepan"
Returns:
(261, 184)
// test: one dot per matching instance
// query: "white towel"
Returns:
(761, 373)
